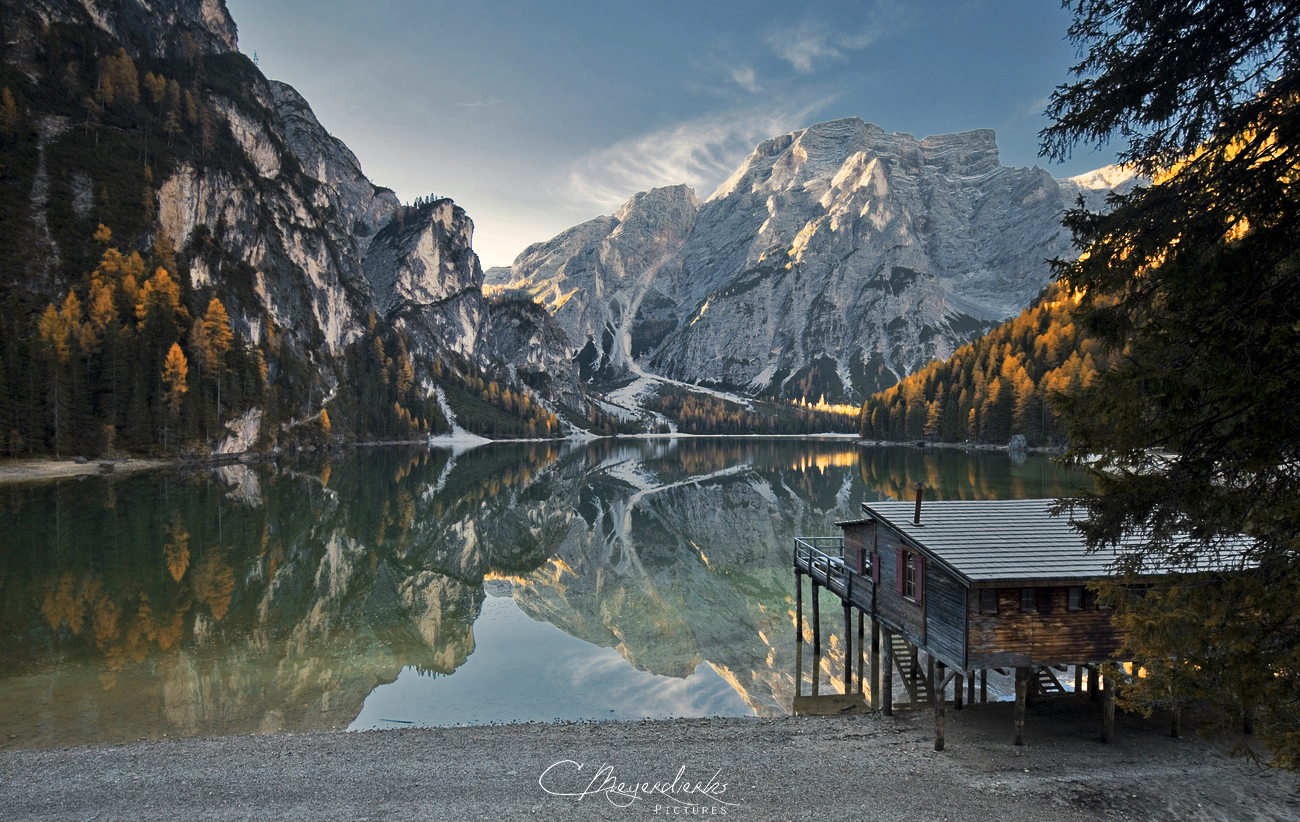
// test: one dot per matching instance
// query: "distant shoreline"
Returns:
(964, 446)
(36, 470)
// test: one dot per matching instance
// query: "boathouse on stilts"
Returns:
(952, 590)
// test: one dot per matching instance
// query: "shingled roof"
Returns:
(1000, 540)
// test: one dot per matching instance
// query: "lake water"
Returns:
(616, 579)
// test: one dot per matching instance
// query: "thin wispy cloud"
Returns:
(700, 153)
(479, 103)
(810, 45)
(807, 46)
(746, 78)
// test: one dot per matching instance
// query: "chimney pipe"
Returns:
(920, 492)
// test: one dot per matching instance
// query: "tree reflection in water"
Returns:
(279, 597)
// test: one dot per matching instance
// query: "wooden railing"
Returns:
(822, 559)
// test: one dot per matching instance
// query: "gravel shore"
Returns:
(20, 472)
(844, 768)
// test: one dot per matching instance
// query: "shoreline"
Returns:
(37, 470)
(850, 767)
(47, 469)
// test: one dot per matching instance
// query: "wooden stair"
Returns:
(1048, 684)
(905, 656)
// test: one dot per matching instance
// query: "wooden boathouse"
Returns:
(973, 586)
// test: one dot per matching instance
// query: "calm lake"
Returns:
(616, 579)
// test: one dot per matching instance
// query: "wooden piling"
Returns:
(862, 683)
(798, 632)
(817, 638)
(817, 618)
(940, 700)
(887, 675)
(1078, 679)
(798, 603)
(984, 685)
(877, 673)
(1094, 692)
(957, 690)
(848, 648)
(1022, 694)
(1108, 709)
(970, 687)
(915, 670)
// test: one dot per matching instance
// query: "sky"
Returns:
(537, 116)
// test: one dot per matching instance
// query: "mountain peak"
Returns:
(658, 198)
(818, 152)
(1107, 177)
(966, 153)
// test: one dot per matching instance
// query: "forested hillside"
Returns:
(118, 335)
(996, 387)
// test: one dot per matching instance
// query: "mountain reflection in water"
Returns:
(252, 599)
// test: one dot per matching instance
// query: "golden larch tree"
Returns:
(217, 336)
(175, 377)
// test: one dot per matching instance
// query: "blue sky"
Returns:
(537, 116)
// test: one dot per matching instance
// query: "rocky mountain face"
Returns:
(836, 260)
(428, 282)
(266, 210)
(155, 29)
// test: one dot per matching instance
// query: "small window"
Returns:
(909, 577)
(1076, 598)
(1028, 601)
(988, 601)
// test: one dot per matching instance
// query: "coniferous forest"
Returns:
(997, 387)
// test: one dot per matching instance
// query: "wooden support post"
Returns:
(957, 690)
(1022, 693)
(877, 673)
(798, 633)
(862, 683)
(1078, 679)
(848, 648)
(798, 603)
(970, 687)
(984, 685)
(1094, 692)
(817, 618)
(887, 675)
(929, 672)
(1108, 709)
(940, 700)
(817, 638)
